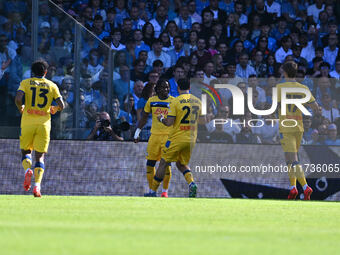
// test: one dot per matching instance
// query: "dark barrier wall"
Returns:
(118, 168)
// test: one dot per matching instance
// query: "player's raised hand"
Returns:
(159, 117)
(54, 109)
(22, 109)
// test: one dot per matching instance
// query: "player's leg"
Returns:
(26, 145)
(169, 154)
(40, 145)
(167, 177)
(39, 169)
(150, 171)
(182, 165)
(159, 176)
(153, 155)
(291, 163)
(27, 164)
(185, 170)
(166, 180)
(288, 144)
(300, 175)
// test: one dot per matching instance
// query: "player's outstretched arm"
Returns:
(18, 101)
(141, 123)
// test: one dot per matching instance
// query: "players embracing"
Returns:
(184, 115)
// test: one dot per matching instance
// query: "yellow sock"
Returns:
(38, 172)
(188, 176)
(167, 177)
(300, 175)
(291, 174)
(155, 183)
(26, 162)
(150, 173)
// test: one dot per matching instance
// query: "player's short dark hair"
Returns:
(183, 84)
(39, 67)
(290, 68)
(159, 83)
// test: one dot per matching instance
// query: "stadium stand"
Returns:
(244, 42)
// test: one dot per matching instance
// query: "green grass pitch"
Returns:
(134, 225)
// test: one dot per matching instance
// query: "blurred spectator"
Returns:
(91, 95)
(193, 12)
(336, 73)
(201, 52)
(158, 53)
(269, 132)
(140, 45)
(160, 21)
(243, 69)
(226, 126)
(180, 50)
(307, 134)
(116, 35)
(328, 110)
(331, 51)
(332, 138)
(284, 50)
(138, 71)
(178, 73)
(122, 86)
(314, 10)
(137, 92)
(98, 26)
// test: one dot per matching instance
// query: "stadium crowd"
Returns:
(244, 42)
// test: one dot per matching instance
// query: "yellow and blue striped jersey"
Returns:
(39, 95)
(187, 109)
(156, 106)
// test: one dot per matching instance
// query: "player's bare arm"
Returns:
(18, 101)
(60, 106)
(141, 123)
(169, 121)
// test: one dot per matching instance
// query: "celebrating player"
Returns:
(156, 105)
(183, 115)
(39, 94)
(291, 137)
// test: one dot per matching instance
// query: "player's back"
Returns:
(292, 111)
(157, 106)
(39, 95)
(187, 109)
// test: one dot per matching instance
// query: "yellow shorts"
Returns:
(177, 151)
(290, 142)
(35, 137)
(156, 144)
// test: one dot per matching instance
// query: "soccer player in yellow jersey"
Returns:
(183, 116)
(291, 137)
(156, 105)
(39, 94)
